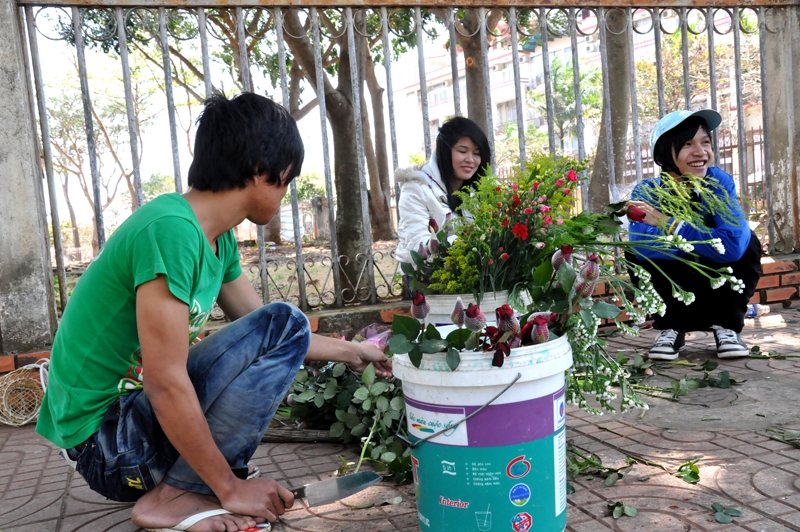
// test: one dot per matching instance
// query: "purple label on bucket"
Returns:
(505, 424)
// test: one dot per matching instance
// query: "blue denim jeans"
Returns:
(240, 373)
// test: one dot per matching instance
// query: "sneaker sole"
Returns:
(665, 356)
(733, 354)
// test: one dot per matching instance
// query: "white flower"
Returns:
(718, 281)
(716, 243)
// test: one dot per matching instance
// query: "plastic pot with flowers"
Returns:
(485, 397)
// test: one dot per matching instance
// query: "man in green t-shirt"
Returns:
(178, 440)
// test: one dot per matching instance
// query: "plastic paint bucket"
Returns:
(504, 468)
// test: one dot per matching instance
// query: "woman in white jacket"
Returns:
(461, 155)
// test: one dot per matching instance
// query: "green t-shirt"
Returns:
(96, 355)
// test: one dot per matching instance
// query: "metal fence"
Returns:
(698, 57)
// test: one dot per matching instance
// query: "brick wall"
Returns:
(780, 282)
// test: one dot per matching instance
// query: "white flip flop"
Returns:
(189, 521)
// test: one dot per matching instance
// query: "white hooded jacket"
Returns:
(423, 196)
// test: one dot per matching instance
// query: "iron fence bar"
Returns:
(765, 135)
(518, 95)
(133, 130)
(89, 126)
(548, 87)
(483, 22)
(387, 65)
(737, 54)
(173, 124)
(451, 27)
(202, 24)
(369, 275)
(576, 81)
(326, 156)
(634, 99)
(244, 61)
(712, 76)
(298, 239)
(662, 104)
(47, 152)
(687, 84)
(612, 178)
(423, 82)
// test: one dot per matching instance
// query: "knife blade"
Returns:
(328, 491)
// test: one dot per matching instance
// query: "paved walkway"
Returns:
(726, 429)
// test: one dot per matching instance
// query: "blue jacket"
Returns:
(735, 238)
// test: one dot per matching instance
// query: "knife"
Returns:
(328, 491)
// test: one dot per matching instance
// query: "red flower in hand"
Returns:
(635, 214)
(521, 231)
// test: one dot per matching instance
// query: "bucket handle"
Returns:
(452, 427)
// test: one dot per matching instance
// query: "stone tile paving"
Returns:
(740, 465)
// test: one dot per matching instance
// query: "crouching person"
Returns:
(146, 417)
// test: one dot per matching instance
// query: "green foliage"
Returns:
(411, 339)
(356, 408)
(689, 472)
(725, 515)
(618, 509)
(309, 186)
(156, 185)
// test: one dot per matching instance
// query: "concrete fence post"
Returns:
(27, 302)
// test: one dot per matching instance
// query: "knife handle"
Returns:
(299, 493)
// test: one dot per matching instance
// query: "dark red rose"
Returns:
(635, 214)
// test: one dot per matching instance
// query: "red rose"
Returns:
(548, 220)
(635, 214)
(528, 210)
(521, 231)
(560, 182)
(572, 176)
(490, 262)
(536, 185)
(498, 189)
(499, 203)
(566, 191)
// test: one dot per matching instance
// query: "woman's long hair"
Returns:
(450, 133)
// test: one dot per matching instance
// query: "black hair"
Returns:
(450, 133)
(239, 138)
(673, 140)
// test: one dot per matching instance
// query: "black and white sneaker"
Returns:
(668, 345)
(729, 345)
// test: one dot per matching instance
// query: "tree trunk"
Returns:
(473, 57)
(350, 229)
(272, 231)
(76, 235)
(380, 213)
(601, 189)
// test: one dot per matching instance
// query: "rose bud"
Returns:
(423, 253)
(475, 319)
(515, 341)
(506, 320)
(584, 287)
(540, 333)
(591, 268)
(458, 316)
(635, 214)
(434, 244)
(433, 225)
(419, 307)
(525, 333)
(561, 256)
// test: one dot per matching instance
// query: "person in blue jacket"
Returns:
(681, 144)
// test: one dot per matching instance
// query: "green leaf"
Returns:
(361, 394)
(367, 404)
(337, 429)
(302, 376)
(611, 479)
(453, 358)
(472, 341)
(415, 356)
(305, 396)
(351, 420)
(344, 399)
(431, 333)
(419, 261)
(339, 369)
(433, 346)
(389, 457)
(609, 226)
(458, 338)
(399, 344)
(393, 500)
(693, 384)
(614, 207)
(358, 430)
(723, 518)
(330, 392)
(602, 309)
(397, 404)
(408, 269)
(588, 319)
(733, 512)
(388, 419)
(543, 273)
(717, 507)
(630, 511)
(319, 400)
(618, 511)
(381, 404)
(566, 276)
(405, 325)
(710, 365)
(368, 377)
(378, 388)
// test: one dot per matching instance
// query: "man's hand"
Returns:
(653, 217)
(367, 353)
(357, 356)
(259, 498)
